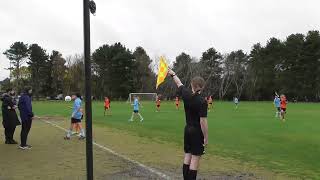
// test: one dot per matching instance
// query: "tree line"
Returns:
(290, 66)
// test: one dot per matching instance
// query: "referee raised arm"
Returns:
(196, 129)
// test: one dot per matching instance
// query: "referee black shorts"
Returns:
(193, 141)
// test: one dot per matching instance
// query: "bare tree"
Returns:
(240, 83)
(239, 66)
(227, 76)
(74, 77)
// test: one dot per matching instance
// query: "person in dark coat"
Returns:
(26, 115)
(9, 116)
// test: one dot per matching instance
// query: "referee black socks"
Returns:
(189, 174)
(192, 174)
(185, 170)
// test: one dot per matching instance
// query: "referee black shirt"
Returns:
(195, 106)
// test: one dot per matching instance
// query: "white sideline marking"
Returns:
(160, 174)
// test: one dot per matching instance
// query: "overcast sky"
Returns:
(162, 27)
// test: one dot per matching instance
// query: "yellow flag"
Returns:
(162, 72)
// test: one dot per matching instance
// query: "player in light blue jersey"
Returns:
(276, 103)
(236, 101)
(135, 112)
(76, 117)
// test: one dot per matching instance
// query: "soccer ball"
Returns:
(67, 98)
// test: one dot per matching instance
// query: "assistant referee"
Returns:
(196, 129)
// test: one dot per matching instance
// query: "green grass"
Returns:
(250, 134)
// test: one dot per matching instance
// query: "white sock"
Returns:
(141, 118)
(69, 132)
(82, 133)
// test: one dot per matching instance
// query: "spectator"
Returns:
(26, 114)
(9, 116)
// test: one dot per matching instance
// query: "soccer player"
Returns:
(135, 112)
(196, 129)
(276, 103)
(283, 105)
(158, 103)
(177, 102)
(74, 124)
(210, 103)
(78, 126)
(236, 101)
(76, 117)
(107, 106)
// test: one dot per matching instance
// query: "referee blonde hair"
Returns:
(197, 83)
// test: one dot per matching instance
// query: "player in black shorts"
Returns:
(196, 129)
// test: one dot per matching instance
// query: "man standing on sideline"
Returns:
(196, 129)
(26, 115)
(9, 116)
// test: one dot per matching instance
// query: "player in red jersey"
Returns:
(107, 106)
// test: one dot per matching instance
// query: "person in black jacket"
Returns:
(9, 116)
(26, 115)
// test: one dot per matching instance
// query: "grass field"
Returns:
(249, 135)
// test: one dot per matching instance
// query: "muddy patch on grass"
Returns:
(54, 158)
(243, 176)
(52, 118)
(133, 173)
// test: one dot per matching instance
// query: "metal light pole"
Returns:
(88, 5)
